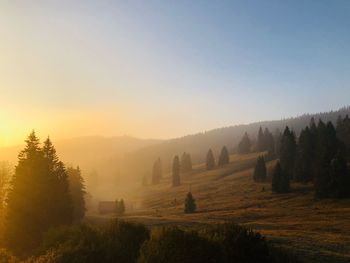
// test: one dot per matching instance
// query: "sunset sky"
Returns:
(162, 69)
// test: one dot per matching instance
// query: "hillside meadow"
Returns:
(316, 230)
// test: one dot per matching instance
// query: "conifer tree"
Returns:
(157, 171)
(304, 157)
(261, 144)
(260, 170)
(224, 157)
(190, 204)
(120, 207)
(269, 143)
(186, 162)
(38, 199)
(340, 177)
(77, 191)
(176, 171)
(210, 161)
(277, 137)
(343, 133)
(244, 145)
(287, 152)
(280, 180)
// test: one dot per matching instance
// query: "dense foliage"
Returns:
(244, 145)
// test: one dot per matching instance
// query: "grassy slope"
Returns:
(318, 230)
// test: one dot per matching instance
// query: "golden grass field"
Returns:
(317, 230)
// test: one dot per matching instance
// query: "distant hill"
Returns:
(87, 151)
(198, 144)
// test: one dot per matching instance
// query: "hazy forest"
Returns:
(175, 132)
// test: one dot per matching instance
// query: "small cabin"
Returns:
(106, 207)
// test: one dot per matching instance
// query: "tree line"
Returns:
(319, 155)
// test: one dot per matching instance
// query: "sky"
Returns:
(163, 69)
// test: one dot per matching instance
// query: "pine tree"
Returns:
(157, 171)
(77, 191)
(210, 161)
(190, 204)
(287, 152)
(260, 170)
(244, 145)
(224, 157)
(280, 180)
(261, 144)
(327, 147)
(340, 177)
(343, 133)
(38, 199)
(277, 137)
(270, 144)
(186, 162)
(304, 157)
(176, 171)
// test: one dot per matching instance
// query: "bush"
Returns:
(172, 245)
(6, 257)
(116, 242)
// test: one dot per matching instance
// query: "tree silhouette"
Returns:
(224, 157)
(280, 180)
(210, 161)
(260, 170)
(244, 145)
(77, 191)
(190, 204)
(176, 171)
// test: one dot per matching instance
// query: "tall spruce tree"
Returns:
(244, 145)
(269, 144)
(157, 171)
(340, 177)
(260, 170)
(190, 204)
(77, 191)
(186, 162)
(343, 133)
(210, 161)
(327, 147)
(38, 199)
(287, 152)
(304, 157)
(176, 171)
(280, 180)
(261, 143)
(224, 157)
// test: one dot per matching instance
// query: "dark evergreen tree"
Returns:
(157, 171)
(190, 204)
(210, 161)
(244, 145)
(77, 191)
(287, 152)
(277, 137)
(340, 177)
(343, 133)
(261, 143)
(260, 170)
(38, 199)
(186, 162)
(280, 180)
(304, 157)
(176, 171)
(270, 144)
(224, 157)
(327, 147)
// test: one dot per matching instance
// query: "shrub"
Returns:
(172, 245)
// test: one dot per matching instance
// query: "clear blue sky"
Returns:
(169, 68)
